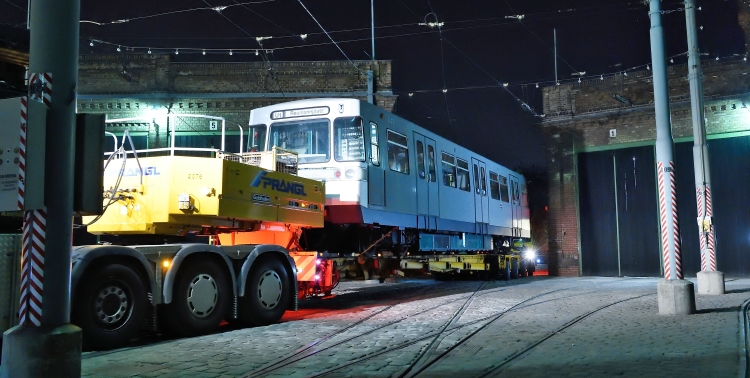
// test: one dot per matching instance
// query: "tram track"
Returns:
(422, 362)
(744, 319)
(497, 369)
(410, 370)
(307, 352)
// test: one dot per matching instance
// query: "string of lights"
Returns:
(218, 9)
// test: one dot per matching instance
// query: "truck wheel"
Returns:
(506, 271)
(266, 293)
(514, 269)
(532, 269)
(201, 299)
(522, 269)
(110, 306)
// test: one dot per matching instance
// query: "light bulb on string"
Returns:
(118, 48)
(671, 60)
(648, 67)
(256, 52)
(176, 51)
(579, 80)
(204, 52)
(149, 50)
(537, 85)
(230, 52)
(91, 43)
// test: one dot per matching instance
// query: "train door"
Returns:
(481, 202)
(515, 205)
(375, 173)
(427, 188)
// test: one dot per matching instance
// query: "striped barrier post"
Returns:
(670, 227)
(710, 232)
(34, 221)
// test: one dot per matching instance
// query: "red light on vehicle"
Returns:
(337, 174)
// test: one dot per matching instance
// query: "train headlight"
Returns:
(529, 254)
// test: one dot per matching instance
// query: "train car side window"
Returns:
(476, 178)
(256, 139)
(431, 163)
(374, 145)
(420, 159)
(494, 186)
(462, 175)
(483, 178)
(449, 170)
(504, 189)
(398, 152)
(348, 140)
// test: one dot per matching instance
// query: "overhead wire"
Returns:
(258, 40)
(212, 8)
(272, 23)
(331, 38)
(442, 67)
(444, 29)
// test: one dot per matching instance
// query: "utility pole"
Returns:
(370, 77)
(675, 294)
(710, 281)
(45, 344)
(554, 36)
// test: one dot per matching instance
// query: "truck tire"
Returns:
(110, 307)
(514, 269)
(522, 268)
(266, 293)
(531, 269)
(201, 298)
(506, 271)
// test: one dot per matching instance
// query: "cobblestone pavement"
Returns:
(536, 326)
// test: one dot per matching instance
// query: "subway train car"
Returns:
(393, 187)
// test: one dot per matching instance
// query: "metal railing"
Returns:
(277, 159)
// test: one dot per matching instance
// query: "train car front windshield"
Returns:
(308, 138)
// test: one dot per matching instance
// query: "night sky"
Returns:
(480, 46)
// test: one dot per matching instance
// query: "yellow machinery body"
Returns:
(179, 194)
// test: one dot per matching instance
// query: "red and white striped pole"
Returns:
(45, 343)
(710, 280)
(34, 220)
(675, 295)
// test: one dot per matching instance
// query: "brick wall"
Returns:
(134, 85)
(580, 116)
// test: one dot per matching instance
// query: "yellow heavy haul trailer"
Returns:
(190, 288)
(516, 260)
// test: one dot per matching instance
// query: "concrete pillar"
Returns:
(46, 351)
(676, 297)
(710, 282)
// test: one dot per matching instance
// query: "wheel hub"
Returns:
(111, 305)
(203, 293)
(269, 289)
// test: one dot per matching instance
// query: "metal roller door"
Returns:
(618, 213)
(730, 176)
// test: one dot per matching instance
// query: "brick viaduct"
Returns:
(579, 117)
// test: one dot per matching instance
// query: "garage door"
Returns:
(730, 177)
(618, 213)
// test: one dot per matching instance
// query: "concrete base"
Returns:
(710, 283)
(41, 352)
(676, 297)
